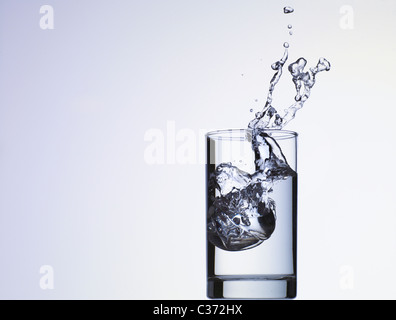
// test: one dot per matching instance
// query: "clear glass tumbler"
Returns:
(251, 234)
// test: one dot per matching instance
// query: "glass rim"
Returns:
(278, 134)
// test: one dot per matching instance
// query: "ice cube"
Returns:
(229, 178)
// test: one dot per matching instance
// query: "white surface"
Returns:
(77, 101)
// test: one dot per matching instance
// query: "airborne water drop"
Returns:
(287, 10)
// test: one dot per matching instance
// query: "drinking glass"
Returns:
(240, 263)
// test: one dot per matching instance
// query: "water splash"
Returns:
(303, 81)
(244, 215)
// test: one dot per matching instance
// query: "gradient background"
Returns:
(76, 102)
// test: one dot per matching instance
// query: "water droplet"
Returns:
(291, 33)
(255, 100)
(251, 110)
(287, 10)
(286, 45)
(289, 26)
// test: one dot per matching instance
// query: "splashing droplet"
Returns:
(287, 10)
(251, 110)
(286, 45)
(289, 26)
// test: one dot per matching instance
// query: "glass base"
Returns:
(252, 287)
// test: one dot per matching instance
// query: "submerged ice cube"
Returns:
(241, 220)
(229, 178)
